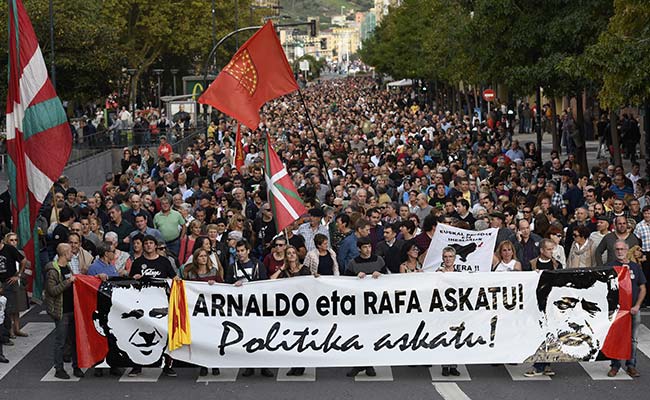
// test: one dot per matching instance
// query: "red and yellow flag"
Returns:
(179, 318)
(257, 73)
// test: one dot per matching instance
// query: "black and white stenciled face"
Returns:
(141, 331)
(573, 315)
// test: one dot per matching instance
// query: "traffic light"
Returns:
(312, 28)
(323, 44)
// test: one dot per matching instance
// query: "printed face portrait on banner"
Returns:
(575, 307)
(133, 317)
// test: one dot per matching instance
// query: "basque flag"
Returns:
(38, 135)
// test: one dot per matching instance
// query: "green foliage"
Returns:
(85, 51)
(315, 65)
(397, 47)
(523, 44)
(95, 40)
(620, 58)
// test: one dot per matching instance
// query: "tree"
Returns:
(315, 65)
(96, 40)
(85, 52)
(524, 44)
(620, 57)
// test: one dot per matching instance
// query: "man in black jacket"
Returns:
(247, 269)
(364, 264)
(390, 249)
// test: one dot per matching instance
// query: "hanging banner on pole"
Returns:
(429, 318)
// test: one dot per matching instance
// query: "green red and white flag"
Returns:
(286, 204)
(38, 135)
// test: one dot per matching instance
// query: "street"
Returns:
(30, 375)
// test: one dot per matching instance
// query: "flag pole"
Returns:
(56, 210)
(319, 152)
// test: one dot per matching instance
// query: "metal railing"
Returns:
(105, 141)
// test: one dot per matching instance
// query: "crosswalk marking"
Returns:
(49, 377)
(38, 331)
(384, 374)
(598, 371)
(308, 376)
(450, 391)
(22, 346)
(517, 373)
(436, 374)
(147, 375)
(643, 338)
(225, 375)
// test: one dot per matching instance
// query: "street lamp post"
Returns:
(158, 72)
(236, 23)
(131, 72)
(52, 64)
(174, 71)
(214, 34)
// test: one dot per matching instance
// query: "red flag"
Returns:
(91, 346)
(618, 343)
(239, 150)
(286, 204)
(257, 73)
(39, 141)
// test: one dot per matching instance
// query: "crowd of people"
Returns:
(380, 174)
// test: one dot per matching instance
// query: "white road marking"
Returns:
(450, 391)
(22, 313)
(308, 376)
(436, 374)
(225, 375)
(49, 377)
(643, 339)
(517, 373)
(147, 375)
(597, 370)
(384, 374)
(24, 345)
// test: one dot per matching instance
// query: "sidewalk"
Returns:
(547, 147)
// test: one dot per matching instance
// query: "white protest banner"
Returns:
(474, 249)
(407, 319)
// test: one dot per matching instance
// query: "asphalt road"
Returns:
(32, 378)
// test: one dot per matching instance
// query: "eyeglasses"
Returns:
(240, 220)
(558, 235)
(280, 244)
(527, 211)
(623, 249)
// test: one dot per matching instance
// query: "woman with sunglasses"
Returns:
(203, 269)
(556, 235)
(188, 239)
(583, 251)
(289, 269)
(410, 254)
(505, 259)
